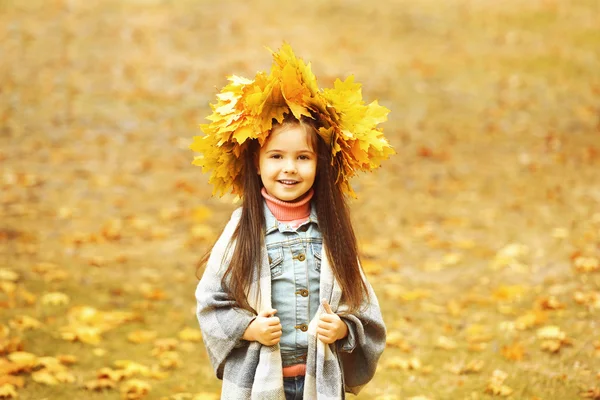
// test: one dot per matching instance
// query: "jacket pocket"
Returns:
(275, 261)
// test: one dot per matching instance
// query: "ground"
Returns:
(481, 236)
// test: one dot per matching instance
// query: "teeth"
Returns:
(288, 182)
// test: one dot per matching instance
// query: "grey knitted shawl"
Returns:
(250, 370)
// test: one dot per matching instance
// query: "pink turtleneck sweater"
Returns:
(294, 214)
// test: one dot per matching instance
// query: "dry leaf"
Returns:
(592, 393)
(16, 381)
(23, 359)
(496, 385)
(446, 343)
(190, 335)
(396, 339)
(169, 360)
(530, 320)
(412, 363)
(67, 359)
(99, 384)
(513, 352)
(115, 375)
(55, 299)
(24, 323)
(586, 264)
(8, 391)
(43, 376)
(142, 336)
(549, 303)
(135, 389)
(472, 366)
(8, 275)
(132, 367)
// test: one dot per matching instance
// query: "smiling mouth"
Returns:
(288, 182)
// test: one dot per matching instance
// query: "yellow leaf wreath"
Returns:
(245, 109)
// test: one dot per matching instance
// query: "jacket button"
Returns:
(304, 293)
(301, 257)
(303, 327)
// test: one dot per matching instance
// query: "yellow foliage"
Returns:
(25, 323)
(8, 391)
(141, 336)
(496, 385)
(245, 110)
(190, 335)
(8, 275)
(55, 299)
(135, 389)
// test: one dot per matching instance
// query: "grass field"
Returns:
(481, 235)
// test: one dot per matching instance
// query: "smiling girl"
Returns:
(285, 310)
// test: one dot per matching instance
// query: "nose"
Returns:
(289, 167)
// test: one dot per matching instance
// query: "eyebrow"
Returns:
(283, 151)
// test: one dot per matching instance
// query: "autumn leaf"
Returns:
(190, 335)
(141, 336)
(135, 389)
(586, 264)
(8, 275)
(446, 343)
(8, 391)
(592, 393)
(55, 299)
(45, 377)
(169, 360)
(473, 366)
(25, 323)
(496, 386)
(513, 352)
(99, 384)
(26, 361)
(396, 339)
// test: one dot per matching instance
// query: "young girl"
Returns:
(283, 305)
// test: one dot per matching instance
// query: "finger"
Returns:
(325, 333)
(326, 306)
(267, 313)
(273, 321)
(277, 334)
(325, 325)
(325, 339)
(328, 317)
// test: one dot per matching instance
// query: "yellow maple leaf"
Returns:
(135, 389)
(25, 323)
(45, 377)
(23, 358)
(190, 335)
(142, 336)
(8, 391)
(514, 352)
(99, 384)
(132, 367)
(169, 360)
(55, 299)
(8, 275)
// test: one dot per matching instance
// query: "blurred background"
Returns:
(481, 235)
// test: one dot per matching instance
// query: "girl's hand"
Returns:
(265, 329)
(330, 327)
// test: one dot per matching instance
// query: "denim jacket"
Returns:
(295, 263)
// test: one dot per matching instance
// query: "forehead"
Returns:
(289, 137)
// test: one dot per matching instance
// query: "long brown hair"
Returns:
(333, 215)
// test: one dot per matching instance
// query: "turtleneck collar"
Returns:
(291, 212)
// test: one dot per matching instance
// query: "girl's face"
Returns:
(287, 163)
